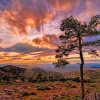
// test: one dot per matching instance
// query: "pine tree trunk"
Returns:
(82, 81)
(81, 67)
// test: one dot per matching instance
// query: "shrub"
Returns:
(88, 81)
(25, 94)
(77, 98)
(43, 88)
(70, 86)
(32, 93)
(76, 79)
(63, 80)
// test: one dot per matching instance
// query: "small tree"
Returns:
(73, 39)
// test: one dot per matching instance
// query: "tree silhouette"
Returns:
(73, 40)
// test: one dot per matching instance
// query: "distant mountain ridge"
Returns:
(12, 69)
(12, 73)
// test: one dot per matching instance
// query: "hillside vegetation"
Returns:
(37, 84)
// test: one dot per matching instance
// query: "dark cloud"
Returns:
(5, 4)
(22, 48)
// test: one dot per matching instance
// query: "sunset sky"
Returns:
(29, 29)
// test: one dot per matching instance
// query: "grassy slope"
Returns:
(67, 90)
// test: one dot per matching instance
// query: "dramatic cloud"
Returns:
(5, 4)
(27, 14)
(46, 41)
(22, 48)
(23, 24)
(24, 15)
(67, 5)
(90, 10)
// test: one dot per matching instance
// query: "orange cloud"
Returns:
(17, 25)
(46, 41)
(27, 14)
(64, 4)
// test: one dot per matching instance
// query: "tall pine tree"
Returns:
(73, 39)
